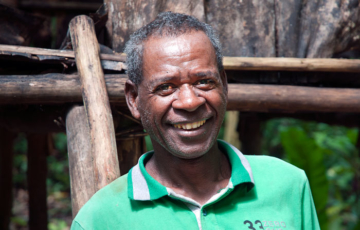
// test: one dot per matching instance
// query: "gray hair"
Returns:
(165, 24)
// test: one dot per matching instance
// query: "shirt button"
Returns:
(204, 212)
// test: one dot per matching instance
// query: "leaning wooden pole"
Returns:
(96, 101)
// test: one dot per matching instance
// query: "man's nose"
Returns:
(188, 99)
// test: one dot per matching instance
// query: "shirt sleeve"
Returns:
(309, 216)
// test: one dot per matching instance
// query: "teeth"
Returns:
(193, 125)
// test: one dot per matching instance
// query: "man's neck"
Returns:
(198, 178)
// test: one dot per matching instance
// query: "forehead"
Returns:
(187, 51)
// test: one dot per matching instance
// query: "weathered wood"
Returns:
(125, 17)
(292, 64)
(108, 61)
(80, 158)
(96, 101)
(38, 150)
(53, 89)
(292, 28)
(270, 98)
(115, 61)
(6, 167)
(57, 88)
(32, 51)
(247, 27)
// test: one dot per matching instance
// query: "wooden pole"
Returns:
(80, 158)
(96, 101)
(292, 64)
(54, 89)
(41, 53)
(36, 177)
(58, 88)
(6, 167)
(270, 98)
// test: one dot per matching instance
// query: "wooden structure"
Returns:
(82, 85)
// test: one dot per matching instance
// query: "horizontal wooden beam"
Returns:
(39, 53)
(230, 63)
(291, 99)
(292, 64)
(60, 88)
(53, 89)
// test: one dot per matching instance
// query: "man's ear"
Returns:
(131, 95)
(224, 81)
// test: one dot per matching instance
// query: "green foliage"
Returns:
(335, 146)
(20, 161)
(58, 166)
(56, 224)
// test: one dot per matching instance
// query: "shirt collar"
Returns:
(141, 186)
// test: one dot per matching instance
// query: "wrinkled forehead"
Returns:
(174, 44)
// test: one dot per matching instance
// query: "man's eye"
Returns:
(164, 87)
(205, 82)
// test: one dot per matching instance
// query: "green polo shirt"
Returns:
(264, 193)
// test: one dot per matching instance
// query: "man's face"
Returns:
(182, 98)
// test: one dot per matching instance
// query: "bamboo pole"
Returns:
(58, 88)
(96, 101)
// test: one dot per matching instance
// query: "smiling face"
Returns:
(182, 97)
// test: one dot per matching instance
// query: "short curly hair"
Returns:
(165, 24)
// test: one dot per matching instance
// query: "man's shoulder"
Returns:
(272, 168)
(104, 203)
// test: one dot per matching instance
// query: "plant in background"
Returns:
(330, 158)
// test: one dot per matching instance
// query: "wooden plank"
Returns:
(6, 167)
(80, 159)
(41, 53)
(292, 64)
(96, 101)
(59, 88)
(38, 149)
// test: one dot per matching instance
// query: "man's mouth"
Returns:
(193, 125)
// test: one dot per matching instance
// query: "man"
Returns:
(178, 89)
